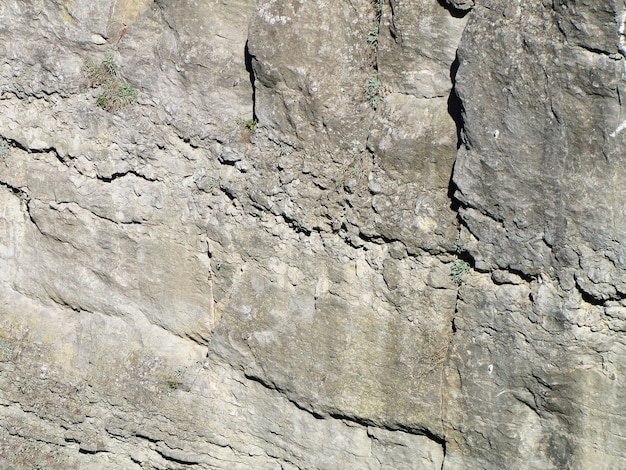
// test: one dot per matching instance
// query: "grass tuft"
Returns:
(116, 93)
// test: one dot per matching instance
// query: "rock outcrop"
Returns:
(294, 234)
(535, 354)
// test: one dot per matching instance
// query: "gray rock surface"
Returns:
(311, 242)
(535, 363)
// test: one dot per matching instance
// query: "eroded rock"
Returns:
(261, 263)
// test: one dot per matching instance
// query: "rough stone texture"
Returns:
(310, 75)
(418, 42)
(553, 129)
(183, 288)
(537, 358)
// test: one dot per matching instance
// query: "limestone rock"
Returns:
(544, 157)
(537, 177)
(310, 77)
(348, 235)
(417, 48)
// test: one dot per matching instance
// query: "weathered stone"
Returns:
(261, 263)
(533, 357)
(539, 170)
(413, 162)
(417, 48)
(306, 332)
(525, 375)
(310, 76)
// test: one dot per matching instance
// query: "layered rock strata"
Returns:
(297, 234)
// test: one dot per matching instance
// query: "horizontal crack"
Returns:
(595, 50)
(170, 458)
(15, 190)
(115, 176)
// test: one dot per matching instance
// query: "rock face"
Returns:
(535, 356)
(297, 234)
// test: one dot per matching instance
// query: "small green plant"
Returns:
(372, 37)
(378, 7)
(249, 123)
(460, 268)
(108, 63)
(374, 89)
(174, 382)
(356, 169)
(212, 184)
(6, 351)
(284, 150)
(116, 93)
(29, 456)
(97, 73)
(5, 150)
(352, 170)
